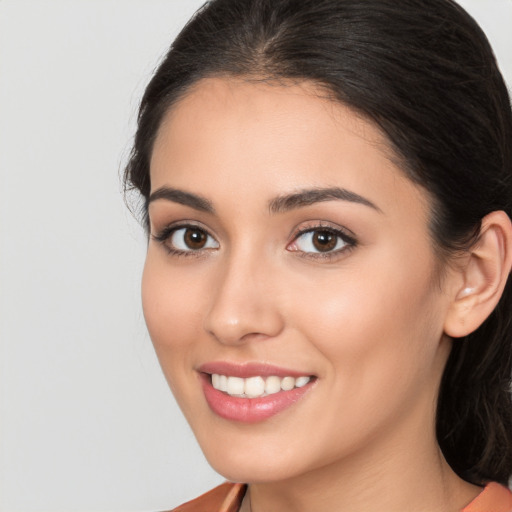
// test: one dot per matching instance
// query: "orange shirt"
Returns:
(228, 497)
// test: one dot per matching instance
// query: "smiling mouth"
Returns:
(252, 392)
(257, 386)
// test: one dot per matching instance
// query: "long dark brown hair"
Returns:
(424, 72)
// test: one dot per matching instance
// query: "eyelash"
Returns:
(348, 239)
(165, 234)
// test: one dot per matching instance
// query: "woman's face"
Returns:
(286, 246)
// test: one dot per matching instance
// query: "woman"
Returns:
(327, 194)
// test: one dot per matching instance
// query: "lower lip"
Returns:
(250, 410)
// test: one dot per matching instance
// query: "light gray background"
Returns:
(86, 420)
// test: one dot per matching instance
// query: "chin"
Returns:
(251, 461)
(252, 471)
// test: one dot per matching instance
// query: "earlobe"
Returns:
(484, 276)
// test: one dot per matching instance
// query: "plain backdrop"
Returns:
(86, 420)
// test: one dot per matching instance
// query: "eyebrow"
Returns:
(317, 195)
(279, 204)
(181, 197)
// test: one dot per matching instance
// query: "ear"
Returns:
(482, 278)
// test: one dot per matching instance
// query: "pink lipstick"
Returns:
(252, 392)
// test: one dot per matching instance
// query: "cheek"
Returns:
(169, 301)
(377, 325)
(378, 334)
(172, 311)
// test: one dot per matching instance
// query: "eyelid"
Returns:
(346, 235)
(163, 235)
(323, 225)
(167, 229)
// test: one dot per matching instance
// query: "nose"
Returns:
(244, 302)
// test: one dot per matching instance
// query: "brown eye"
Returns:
(195, 238)
(189, 239)
(324, 241)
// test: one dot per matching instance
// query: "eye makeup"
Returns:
(193, 241)
(322, 241)
(317, 241)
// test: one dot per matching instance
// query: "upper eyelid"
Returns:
(345, 233)
(163, 236)
(181, 224)
(325, 225)
(347, 239)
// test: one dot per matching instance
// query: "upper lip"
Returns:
(249, 369)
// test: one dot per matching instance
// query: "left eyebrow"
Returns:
(317, 195)
(181, 197)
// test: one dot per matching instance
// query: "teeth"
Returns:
(287, 383)
(272, 385)
(301, 381)
(254, 387)
(223, 383)
(236, 386)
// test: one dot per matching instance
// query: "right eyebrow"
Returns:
(181, 197)
(308, 197)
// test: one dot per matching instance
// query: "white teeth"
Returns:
(301, 381)
(254, 387)
(287, 383)
(272, 385)
(223, 383)
(235, 386)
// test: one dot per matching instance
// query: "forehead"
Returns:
(294, 108)
(266, 138)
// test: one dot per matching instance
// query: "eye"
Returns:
(191, 239)
(321, 241)
(186, 239)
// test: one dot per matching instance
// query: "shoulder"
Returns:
(226, 497)
(494, 498)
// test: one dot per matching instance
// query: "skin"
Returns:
(368, 321)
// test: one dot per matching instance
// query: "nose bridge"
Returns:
(241, 302)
